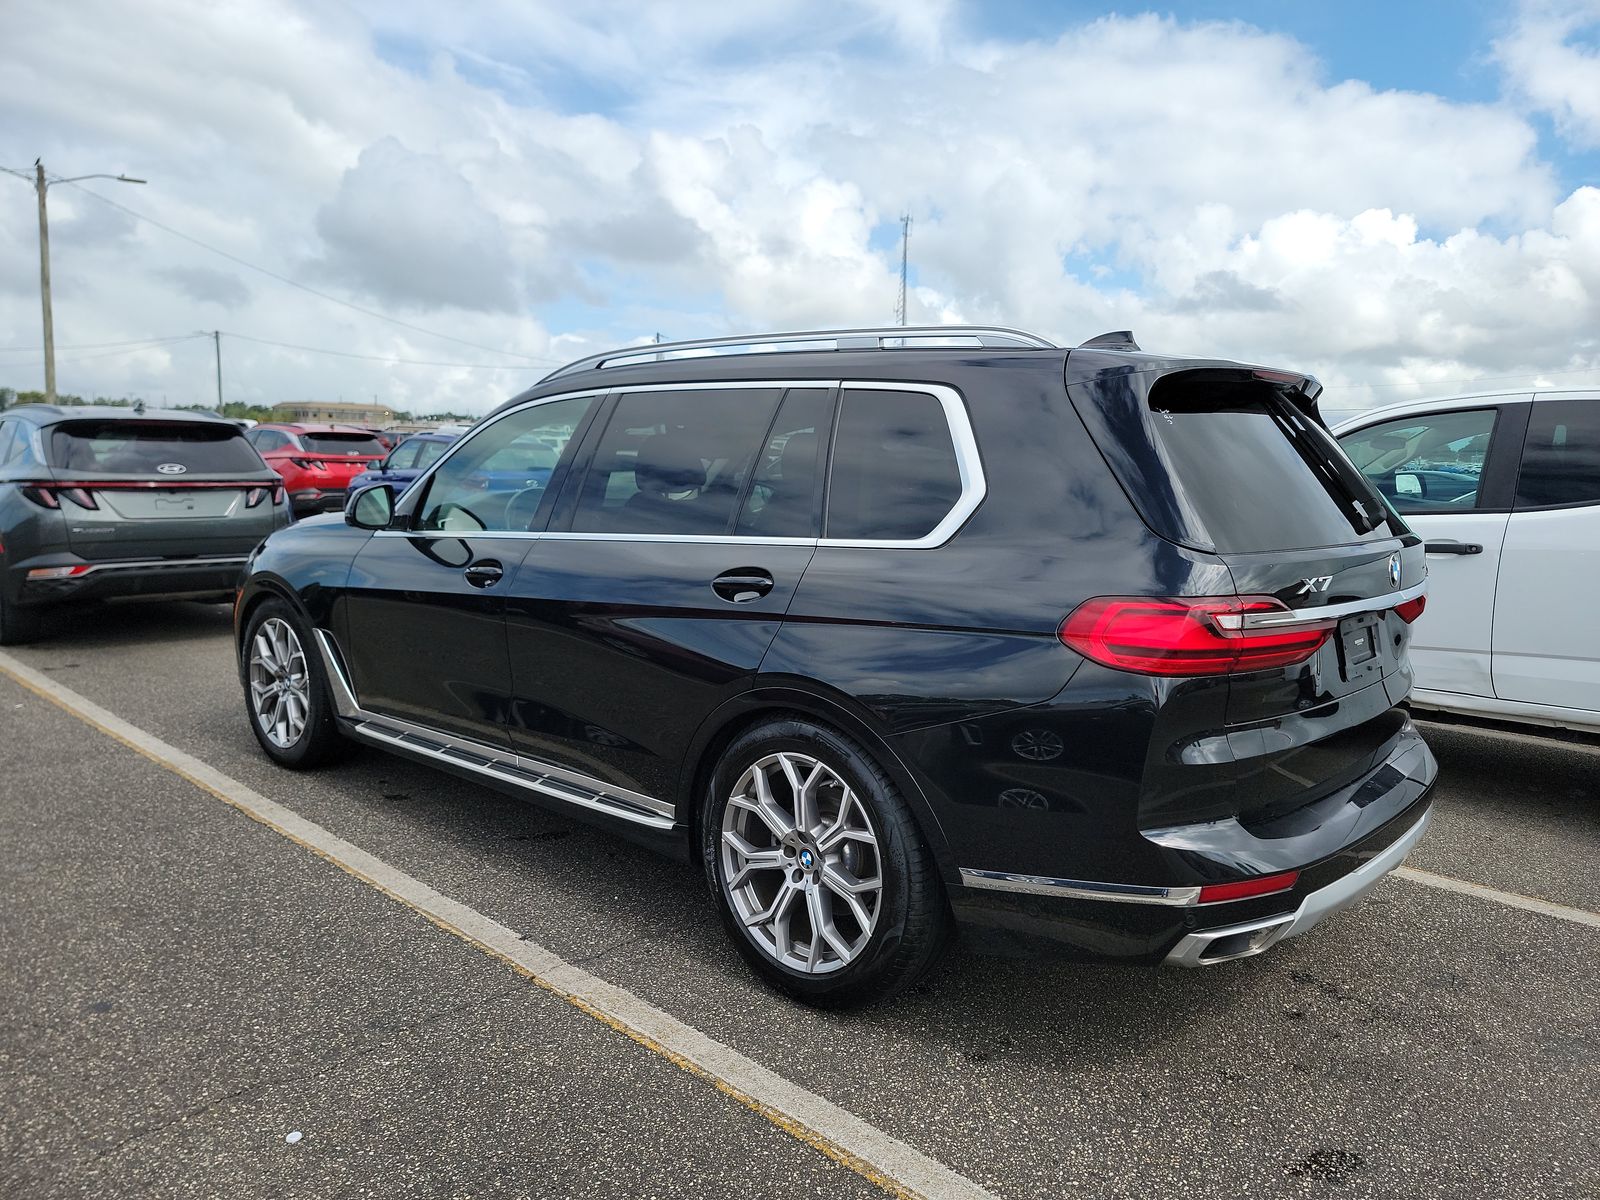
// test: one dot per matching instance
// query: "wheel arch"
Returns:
(775, 700)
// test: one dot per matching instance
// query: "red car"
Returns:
(317, 462)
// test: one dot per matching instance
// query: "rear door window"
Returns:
(1257, 472)
(894, 475)
(675, 462)
(782, 498)
(1561, 455)
(342, 443)
(1431, 462)
(128, 447)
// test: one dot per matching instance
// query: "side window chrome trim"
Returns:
(974, 486)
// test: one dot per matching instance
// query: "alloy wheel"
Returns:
(280, 687)
(800, 863)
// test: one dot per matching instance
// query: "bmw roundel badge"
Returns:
(1394, 570)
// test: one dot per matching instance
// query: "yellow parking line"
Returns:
(884, 1161)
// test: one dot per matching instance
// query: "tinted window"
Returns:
(1428, 463)
(469, 492)
(268, 439)
(342, 443)
(894, 474)
(429, 453)
(1561, 457)
(1257, 472)
(674, 462)
(8, 441)
(403, 457)
(143, 447)
(783, 491)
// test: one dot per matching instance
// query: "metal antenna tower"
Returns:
(905, 245)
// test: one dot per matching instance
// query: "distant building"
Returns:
(332, 412)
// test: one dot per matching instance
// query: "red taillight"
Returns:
(1200, 636)
(254, 496)
(42, 496)
(82, 497)
(1411, 609)
(310, 464)
(1243, 889)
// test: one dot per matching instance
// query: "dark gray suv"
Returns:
(101, 502)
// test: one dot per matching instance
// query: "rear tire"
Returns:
(19, 626)
(822, 877)
(286, 690)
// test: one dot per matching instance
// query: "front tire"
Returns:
(286, 690)
(822, 877)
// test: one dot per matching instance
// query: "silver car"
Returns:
(99, 503)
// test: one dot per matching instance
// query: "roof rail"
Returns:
(889, 338)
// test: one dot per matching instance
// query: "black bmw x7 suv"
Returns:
(891, 632)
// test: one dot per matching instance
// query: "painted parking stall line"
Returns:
(884, 1160)
(1449, 883)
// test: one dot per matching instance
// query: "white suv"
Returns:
(1504, 489)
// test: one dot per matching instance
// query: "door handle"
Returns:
(1452, 548)
(484, 574)
(742, 584)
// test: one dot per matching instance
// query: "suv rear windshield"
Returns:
(123, 447)
(1258, 472)
(342, 443)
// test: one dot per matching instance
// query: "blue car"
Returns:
(407, 460)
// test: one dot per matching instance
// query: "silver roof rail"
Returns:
(889, 338)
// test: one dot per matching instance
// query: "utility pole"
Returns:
(44, 286)
(40, 186)
(905, 246)
(216, 340)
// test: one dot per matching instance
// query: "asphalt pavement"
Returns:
(185, 988)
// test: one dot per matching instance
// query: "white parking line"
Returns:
(846, 1138)
(1449, 883)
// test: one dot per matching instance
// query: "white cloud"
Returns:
(1552, 69)
(710, 168)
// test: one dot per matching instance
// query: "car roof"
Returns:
(54, 414)
(1404, 408)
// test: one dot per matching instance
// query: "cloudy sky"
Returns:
(1400, 197)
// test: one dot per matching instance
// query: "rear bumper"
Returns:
(308, 500)
(1340, 846)
(205, 575)
(1209, 946)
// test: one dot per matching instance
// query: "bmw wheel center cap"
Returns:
(807, 859)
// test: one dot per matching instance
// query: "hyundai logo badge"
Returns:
(1394, 570)
(172, 468)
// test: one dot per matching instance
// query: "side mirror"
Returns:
(1407, 484)
(371, 507)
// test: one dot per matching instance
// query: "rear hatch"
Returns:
(339, 456)
(1234, 462)
(133, 488)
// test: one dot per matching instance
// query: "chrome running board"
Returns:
(499, 763)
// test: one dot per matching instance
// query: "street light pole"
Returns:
(40, 186)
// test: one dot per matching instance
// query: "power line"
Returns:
(409, 362)
(294, 283)
(177, 337)
(77, 358)
(1429, 383)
